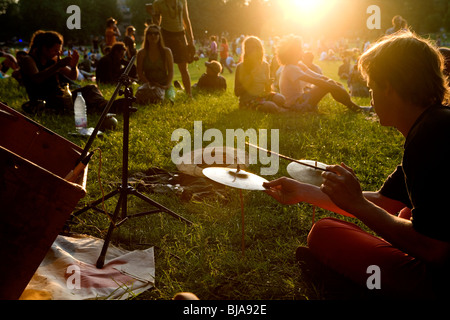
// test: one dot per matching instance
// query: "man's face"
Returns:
(380, 102)
(52, 52)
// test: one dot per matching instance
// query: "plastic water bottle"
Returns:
(80, 113)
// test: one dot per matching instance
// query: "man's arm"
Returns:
(341, 185)
(71, 71)
(289, 191)
(28, 68)
(156, 16)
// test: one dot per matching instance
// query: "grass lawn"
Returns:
(205, 258)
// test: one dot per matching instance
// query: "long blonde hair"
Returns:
(252, 52)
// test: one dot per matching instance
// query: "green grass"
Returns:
(205, 258)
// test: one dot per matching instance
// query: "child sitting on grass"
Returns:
(211, 80)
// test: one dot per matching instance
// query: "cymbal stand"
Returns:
(125, 189)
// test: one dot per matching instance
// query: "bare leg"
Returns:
(338, 93)
(185, 77)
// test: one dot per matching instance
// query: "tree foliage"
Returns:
(20, 18)
(27, 16)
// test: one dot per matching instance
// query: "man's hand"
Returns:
(342, 186)
(75, 58)
(64, 62)
(284, 190)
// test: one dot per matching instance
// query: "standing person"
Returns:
(45, 74)
(295, 76)
(154, 68)
(111, 32)
(95, 43)
(224, 50)
(409, 213)
(173, 17)
(252, 80)
(130, 42)
(213, 53)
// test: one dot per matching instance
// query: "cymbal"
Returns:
(233, 178)
(306, 174)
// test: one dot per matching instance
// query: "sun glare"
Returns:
(306, 12)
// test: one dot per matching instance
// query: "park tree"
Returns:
(20, 18)
(9, 15)
(31, 15)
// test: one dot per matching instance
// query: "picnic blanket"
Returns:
(68, 272)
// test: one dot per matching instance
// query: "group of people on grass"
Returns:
(409, 91)
(299, 87)
(45, 73)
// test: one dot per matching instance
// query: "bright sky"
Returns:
(307, 12)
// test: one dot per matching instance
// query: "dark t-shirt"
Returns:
(108, 70)
(212, 83)
(46, 90)
(422, 181)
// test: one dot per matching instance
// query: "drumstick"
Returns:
(287, 158)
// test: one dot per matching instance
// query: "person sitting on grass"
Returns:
(408, 217)
(9, 61)
(154, 68)
(252, 80)
(357, 85)
(295, 77)
(45, 75)
(211, 80)
(112, 65)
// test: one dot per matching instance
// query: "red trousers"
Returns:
(365, 259)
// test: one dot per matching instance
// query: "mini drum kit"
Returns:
(305, 171)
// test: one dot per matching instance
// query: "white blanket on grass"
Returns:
(68, 272)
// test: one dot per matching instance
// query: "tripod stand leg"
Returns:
(101, 258)
(159, 206)
(96, 202)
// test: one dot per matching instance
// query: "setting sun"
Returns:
(306, 12)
